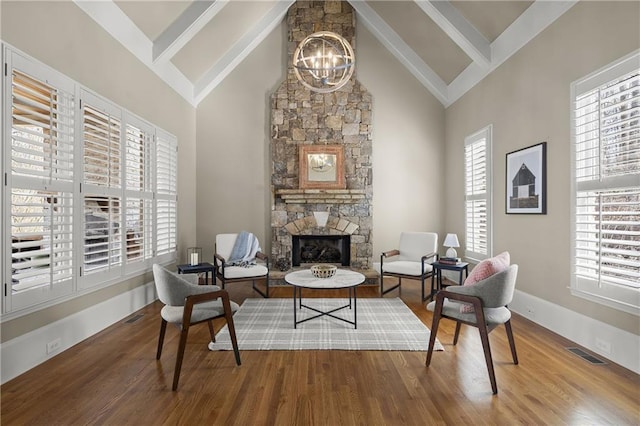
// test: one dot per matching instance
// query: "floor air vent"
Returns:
(134, 318)
(588, 357)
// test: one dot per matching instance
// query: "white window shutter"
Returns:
(606, 152)
(478, 195)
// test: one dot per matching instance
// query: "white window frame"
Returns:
(620, 297)
(473, 251)
(16, 304)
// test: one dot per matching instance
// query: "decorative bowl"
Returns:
(323, 271)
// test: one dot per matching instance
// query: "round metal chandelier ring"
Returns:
(324, 62)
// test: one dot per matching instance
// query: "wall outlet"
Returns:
(54, 345)
(603, 346)
(531, 313)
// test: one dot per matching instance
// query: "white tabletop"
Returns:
(343, 278)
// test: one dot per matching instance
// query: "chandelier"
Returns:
(323, 61)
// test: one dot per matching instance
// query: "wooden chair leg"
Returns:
(163, 329)
(211, 331)
(512, 342)
(484, 337)
(183, 343)
(434, 329)
(232, 330)
(457, 333)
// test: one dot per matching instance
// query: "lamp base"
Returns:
(451, 252)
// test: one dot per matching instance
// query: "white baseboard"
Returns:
(29, 350)
(612, 343)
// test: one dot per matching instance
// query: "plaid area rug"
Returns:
(383, 324)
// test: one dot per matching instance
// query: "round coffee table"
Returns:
(343, 278)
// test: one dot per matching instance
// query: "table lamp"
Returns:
(451, 241)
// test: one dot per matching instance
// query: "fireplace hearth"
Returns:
(309, 249)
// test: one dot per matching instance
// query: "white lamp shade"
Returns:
(451, 240)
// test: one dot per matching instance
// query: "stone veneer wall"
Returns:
(298, 117)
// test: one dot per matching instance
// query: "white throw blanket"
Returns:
(244, 250)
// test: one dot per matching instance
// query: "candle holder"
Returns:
(194, 255)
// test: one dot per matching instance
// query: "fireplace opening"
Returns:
(321, 249)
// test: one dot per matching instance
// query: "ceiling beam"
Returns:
(394, 43)
(240, 50)
(185, 27)
(532, 22)
(465, 35)
(115, 22)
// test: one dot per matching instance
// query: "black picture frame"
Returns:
(526, 180)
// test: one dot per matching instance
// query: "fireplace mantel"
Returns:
(333, 196)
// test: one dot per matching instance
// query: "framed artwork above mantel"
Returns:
(321, 167)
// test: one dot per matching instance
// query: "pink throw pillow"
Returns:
(484, 270)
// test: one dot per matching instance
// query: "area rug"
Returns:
(383, 324)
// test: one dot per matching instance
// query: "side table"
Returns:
(461, 267)
(196, 269)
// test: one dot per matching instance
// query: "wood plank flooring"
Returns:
(113, 378)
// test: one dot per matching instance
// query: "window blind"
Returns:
(101, 147)
(139, 191)
(477, 193)
(102, 235)
(42, 130)
(40, 186)
(607, 182)
(166, 193)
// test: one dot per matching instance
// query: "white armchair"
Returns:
(230, 273)
(412, 260)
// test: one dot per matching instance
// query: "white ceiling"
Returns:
(449, 46)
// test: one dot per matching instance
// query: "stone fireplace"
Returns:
(342, 118)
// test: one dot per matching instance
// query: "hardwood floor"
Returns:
(113, 378)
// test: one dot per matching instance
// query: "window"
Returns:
(477, 165)
(166, 199)
(82, 179)
(101, 189)
(139, 193)
(39, 185)
(606, 185)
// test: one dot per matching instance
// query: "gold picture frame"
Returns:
(322, 167)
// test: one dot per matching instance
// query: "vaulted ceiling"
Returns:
(449, 46)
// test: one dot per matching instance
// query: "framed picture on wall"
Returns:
(526, 180)
(322, 167)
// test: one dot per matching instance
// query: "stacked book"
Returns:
(449, 260)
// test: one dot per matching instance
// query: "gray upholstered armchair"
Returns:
(489, 299)
(187, 304)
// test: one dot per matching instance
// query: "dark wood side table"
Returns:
(196, 269)
(461, 267)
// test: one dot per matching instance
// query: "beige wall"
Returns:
(408, 147)
(527, 101)
(233, 153)
(60, 35)
(233, 162)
